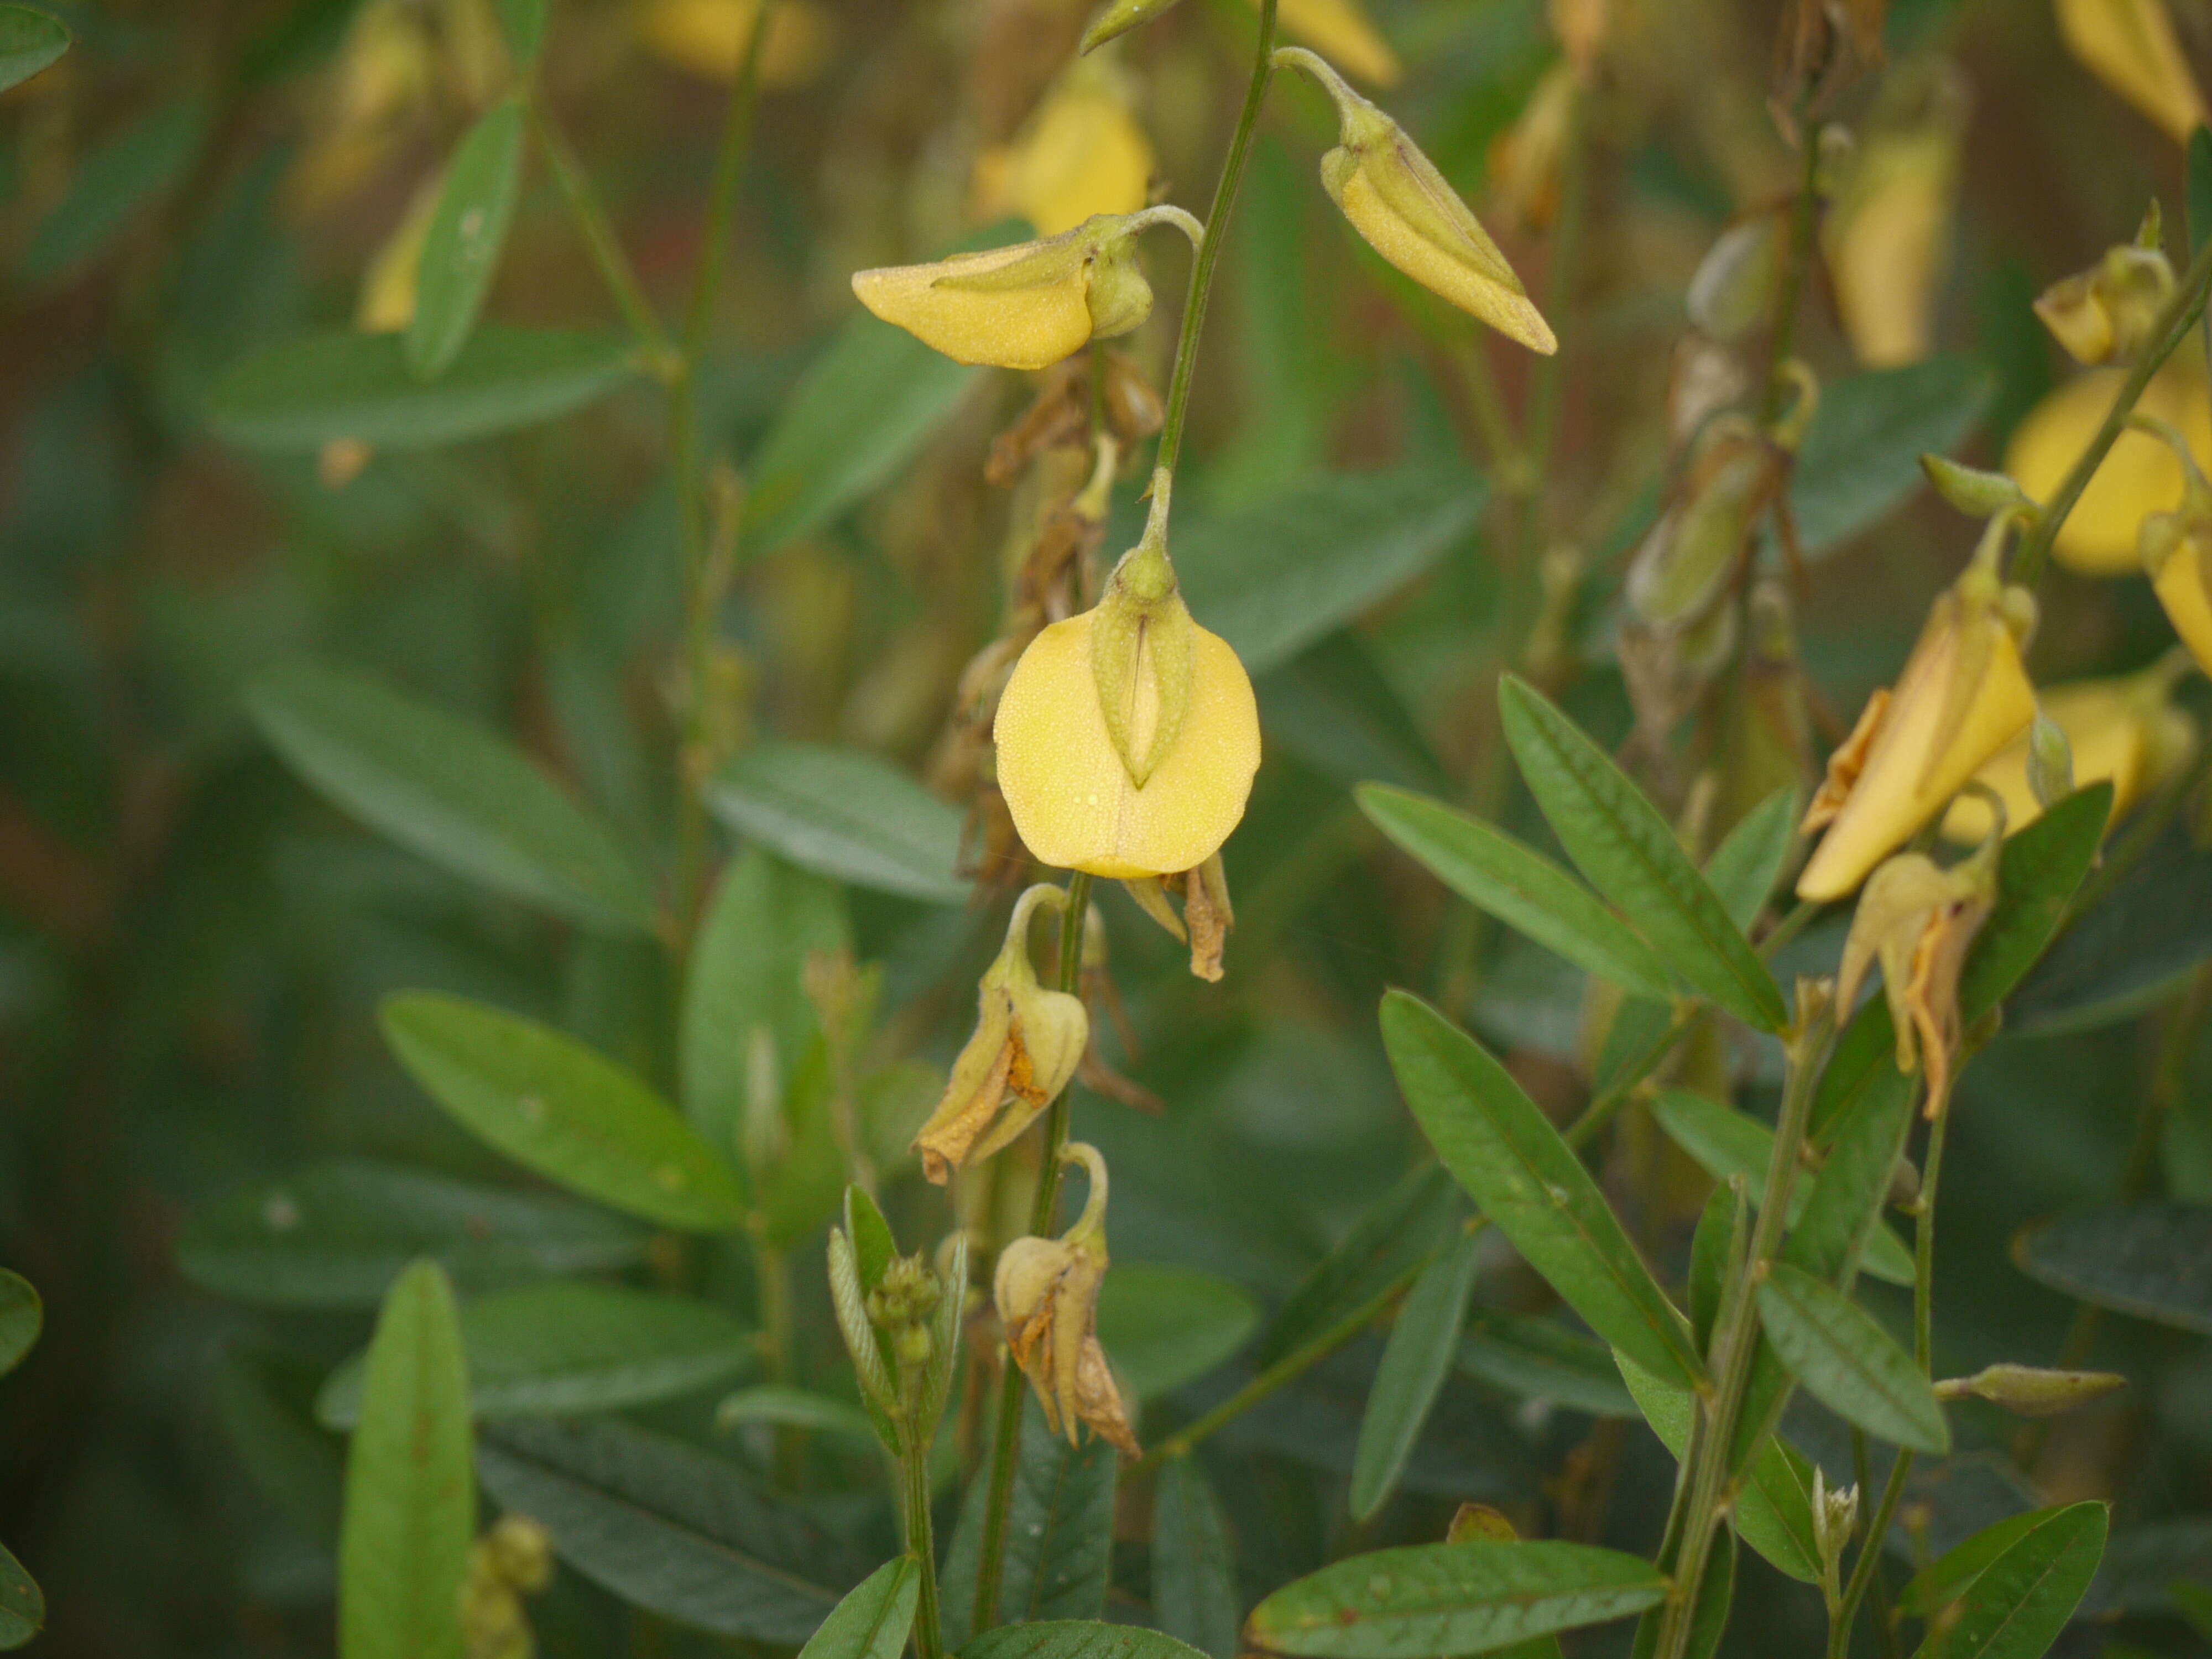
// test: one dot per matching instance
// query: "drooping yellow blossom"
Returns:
(1128, 737)
(1081, 153)
(1887, 238)
(386, 304)
(1342, 32)
(2126, 730)
(1963, 695)
(1407, 213)
(2130, 46)
(2110, 311)
(1046, 1294)
(707, 38)
(2139, 477)
(1030, 304)
(1918, 919)
(1027, 1044)
(2176, 549)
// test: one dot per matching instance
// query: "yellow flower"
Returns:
(2109, 311)
(2130, 46)
(1888, 235)
(1524, 159)
(2127, 730)
(1046, 1294)
(1027, 1044)
(1155, 789)
(1963, 695)
(1081, 153)
(1407, 213)
(707, 38)
(2139, 477)
(386, 304)
(2176, 547)
(1341, 31)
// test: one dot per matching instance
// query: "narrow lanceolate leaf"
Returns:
(21, 1316)
(454, 792)
(1076, 1639)
(1745, 868)
(847, 813)
(1059, 1533)
(872, 1621)
(2016, 1608)
(1848, 1362)
(1397, 1234)
(460, 254)
(1526, 1180)
(1166, 1327)
(29, 41)
(410, 1498)
(1415, 1361)
(1518, 885)
(1542, 1359)
(2038, 872)
(23, 1606)
(2154, 1260)
(1194, 1567)
(555, 1107)
(1945, 1579)
(1429, 1599)
(1620, 842)
(668, 1528)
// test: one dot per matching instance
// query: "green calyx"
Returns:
(1141, 637)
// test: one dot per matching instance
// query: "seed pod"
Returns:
(2030, 1391)
(1734, 288)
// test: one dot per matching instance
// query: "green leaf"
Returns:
(265, 1404)
(1716, 1599)
(1774, 1515)
(21, 1315)
(1944, 1580)
(312, 392)
(872, 1621)
(560, 1349)
(786, 1407)
(112, 187)
(1848, 1362)
(1429, 1598)
(1745, 868)
(468, 230)
(1166, 1327)
(1278, 575)
(23, 1607)
(1723, 1229)
(1059, 1533)
(1523, 1176)
(411, 1502)
(1415, 1361)
(2016, 1607)
(1334, 708)
(1860, 461)
(2038, 872)
(869, 400)
(1518, 885)
(523, 22)
(556, 1108)
(1397, 1234)
(336, 1235)
(1541, 1359)
(847, 814)
(29, 41)
(671, 1528)
(457, 794)
(2152, 1260)
(1075, 1638)
(1726, 1143)
(1194, 1567)
(1626, 851)
(745, 984)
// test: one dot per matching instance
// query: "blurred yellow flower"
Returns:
(707, 38)
(2130, 46)
(2110, 311)
(1081, 152)
(2139, 474)
(386, 304)
(1887, 237)
(2125, 729)
(2175, 546)
(1342, 32)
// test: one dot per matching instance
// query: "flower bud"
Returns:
(1081, 153)
(1479, 1524)
(2050, 761)
(514, 1558)
(2130, 46)
(1030, 304)
(1835, 1521)
(1977, 493)
(1733, 287)
(1963, 695)
(1027, 1044)
(1047, 1293)
(1397, 200)
(2111, 311)
(2030, 1391)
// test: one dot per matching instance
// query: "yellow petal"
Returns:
(2130, 46)
(1886, 243)
(1029, 327)
(2139, 476)
(386, 304)
(2181, 588)
(2110, 730)
(1390, 235)
(707, 38)
(1083, 152)
(1341, 31)
(1063, 781)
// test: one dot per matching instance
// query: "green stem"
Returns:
(1735, 1338)
(1805, 220)
(1209, 249)
(1007, 1432)
(921, 1544)
(604, 246)
(2181, 314)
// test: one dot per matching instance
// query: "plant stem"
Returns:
(1007, 1432)
(1209, 250)
(1736, 1337)
(2182, 313)
(604, 246)
(920, 1543)
(1802, 224)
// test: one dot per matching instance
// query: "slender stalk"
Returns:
(603, 246)
(1209, 249)
(2182, 313)
(921, 1544)
(1802, 224)
(1007, 1432)
(1735, 1339)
